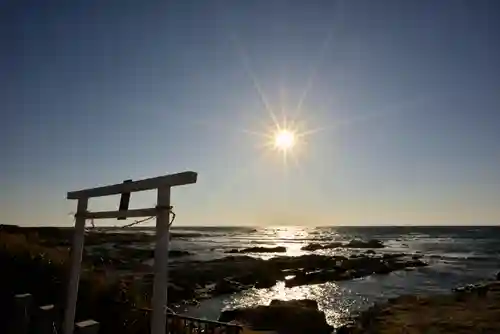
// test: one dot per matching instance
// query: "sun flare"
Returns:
(284, 139)
(287, 139)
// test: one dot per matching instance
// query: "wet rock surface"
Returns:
(290, 317)
(278, 249)
(373, 243)
(128, 255)
(237, 273)
(316, 246)
(352, 268)
(61, 236)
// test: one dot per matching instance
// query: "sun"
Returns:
(284, 139)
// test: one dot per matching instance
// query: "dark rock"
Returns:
(261, 277)
(307, 262)
(390, 256)
(142, 254)
(265, 282)
(316, 277)
(178, 253)
(177, 293)
(250, 278)
(370, 251)
(348, 329)
(359, 261)
(308, 303)
(373, 243)
(315, 246)
(96, 238)
(415, 264)
(124, 257)
(246, 271)
(460, 289)
(226, 286)
(279, 249)
(350, 268)
(290, 317)
(332, 245)
(312, 247)
(498, 276)
(134, 253)
(480, 289)
(230, 315)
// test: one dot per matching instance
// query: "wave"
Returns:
(244, 229)
(461, 257)
(189, 235)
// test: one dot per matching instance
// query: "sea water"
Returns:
(456, 256)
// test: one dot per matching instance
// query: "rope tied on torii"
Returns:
(137, 222)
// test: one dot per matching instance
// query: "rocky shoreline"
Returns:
(237, 273)
(128, 255)
(290, 317)
(466, 310)
(192, 280)
(125, 257)
(470, 309)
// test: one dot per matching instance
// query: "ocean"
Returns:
(457, 256)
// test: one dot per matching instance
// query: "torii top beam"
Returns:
(171, 180)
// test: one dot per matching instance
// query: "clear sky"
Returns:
(404, 95)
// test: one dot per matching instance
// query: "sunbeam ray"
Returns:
(256, 133)
(245, 59)
(221, 126)
(397, 108)
(283, 102)
(313, 71)
(295, 161)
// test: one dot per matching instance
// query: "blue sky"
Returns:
(406, 94)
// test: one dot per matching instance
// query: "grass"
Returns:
(29, 266)
(459, 314)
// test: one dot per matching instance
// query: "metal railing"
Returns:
(31, 318)
(28, 318)
(181, 324)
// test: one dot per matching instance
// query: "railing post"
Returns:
(45, 320)
(87, 327)
(22, 317)
(159, 300)
(76, 261)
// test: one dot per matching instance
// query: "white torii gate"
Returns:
(162, 213)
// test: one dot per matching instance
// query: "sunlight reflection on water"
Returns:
(335, 312)
(339, 300)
